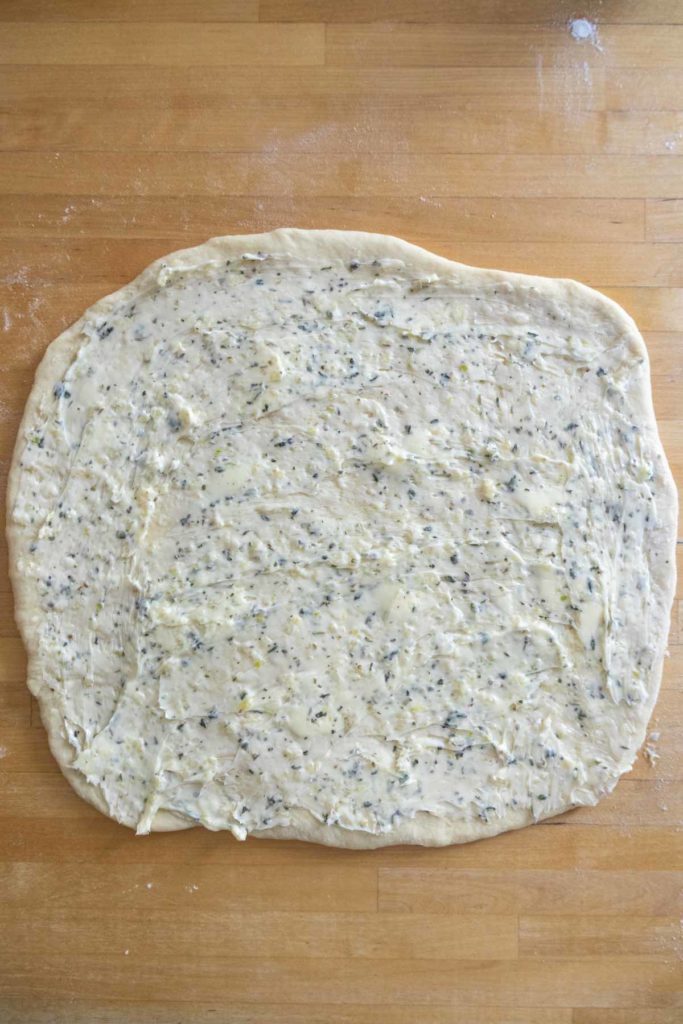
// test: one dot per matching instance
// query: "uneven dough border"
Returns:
(424, 829)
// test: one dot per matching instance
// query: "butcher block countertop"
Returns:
(521, 134)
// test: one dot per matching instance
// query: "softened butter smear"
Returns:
(341, 538)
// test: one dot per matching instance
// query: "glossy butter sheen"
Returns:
(346, 538)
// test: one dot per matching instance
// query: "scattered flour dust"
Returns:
(564, 81)
(339, 142)
(22, 305)
(20, 278)
(585, 31)
(25, 288)
(3, 752)
(650, 751)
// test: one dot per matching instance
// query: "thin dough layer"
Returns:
(318, 535)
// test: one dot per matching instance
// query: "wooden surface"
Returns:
(483, 130)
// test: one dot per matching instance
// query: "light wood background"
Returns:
(483, 130)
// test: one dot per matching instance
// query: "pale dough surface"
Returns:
(583, 565)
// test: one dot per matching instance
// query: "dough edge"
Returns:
(424, 829)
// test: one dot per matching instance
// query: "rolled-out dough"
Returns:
(318, 535)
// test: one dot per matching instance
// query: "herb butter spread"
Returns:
(319, 535)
